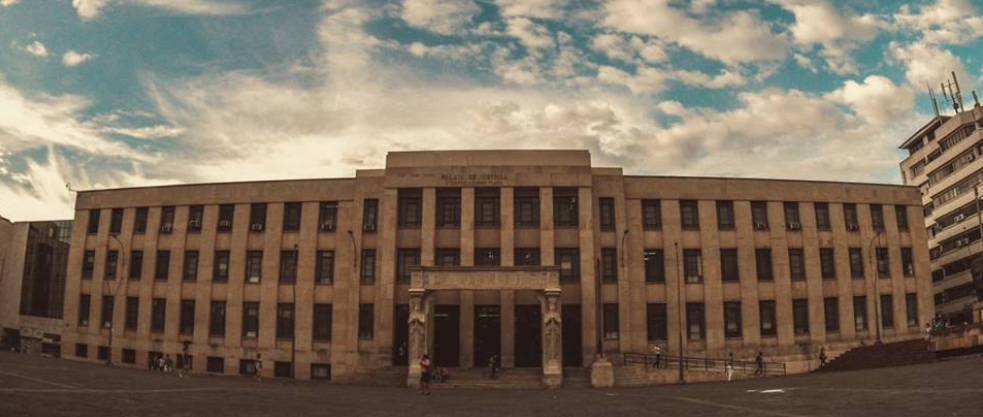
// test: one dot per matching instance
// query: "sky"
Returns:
(118, 93)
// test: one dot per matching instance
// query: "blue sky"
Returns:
(112, 93)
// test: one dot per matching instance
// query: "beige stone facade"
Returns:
(508, 224)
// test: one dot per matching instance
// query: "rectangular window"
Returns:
(527, 257)
(689, 214)
(221, 273)
(226, 217)
(611, 324)
(565, 209)
(106, 316)
(190, 272)
(291, 217)
(831, 311)
(282, 369)
(911, 309)
(656, 322)
(368, 267)
(568, 259)
(796, 264)
(136, 264)
(88, 263)
(167, 219)
(800, 316)
(162, 267)
(729, 270)
(887, 311)
(607, 213)
(284, 321)
(695, 321)
(179, 362)
(651, 214)
(449, 207)
(112, 264)
(655, 266)
(140, 221)
(216, 319)
(762, 263)
(116, 221)
(322, 322)
(526, 206)
(447, 257)
(187, 317)
(856, 263)
(759, 215)
(827, 263)
(766, 314)
(257, 217)
(215, 364)
(609, 265)
(85, 304)
(850, 217)
(129, 356)
(196, 214)
(693, 265)
(883, 264)
(487, 257)
(406, 259)
(792, 221)
(860, 313)
(81, 350)
(102, 353)
(907, 262)
(732, 319)
(158, 308)
(254, 266)
(877, 216)
(324, 268)
(327, 216)
(725, 215)
(822, 216)
(288, 266)
(901, 213)
(247, 367)
(370, 214)
(321, 371)
(250, 320)
(366, 321)
(132, 313)
(487, 207)
(93, 226)
(409, 204)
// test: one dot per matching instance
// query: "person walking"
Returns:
(822, 356)
(759, 362)
(493, 366)
(258, 369)
(730, 366)
(425, 368)
(657, 351)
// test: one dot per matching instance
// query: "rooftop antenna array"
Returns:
(953, 95)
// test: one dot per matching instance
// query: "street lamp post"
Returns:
(679, 308)
(877, 290)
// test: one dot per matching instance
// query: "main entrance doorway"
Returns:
(528, 340)
(447, 335)
(572, 338)
(487, 334)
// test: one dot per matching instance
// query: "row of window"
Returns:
(323, 269)
(487, 207)
(292, 212)
(690, 215)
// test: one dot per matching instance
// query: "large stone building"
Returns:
(945, 163)
(534, 256)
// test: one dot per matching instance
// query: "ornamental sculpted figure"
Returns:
(552, 325)
(417, 322)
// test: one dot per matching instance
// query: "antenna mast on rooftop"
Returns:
(935, 102)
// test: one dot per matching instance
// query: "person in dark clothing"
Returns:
(425, 368)
(822, 357)
(759, 361)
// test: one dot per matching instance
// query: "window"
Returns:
(526, 206)
(766, 313)
(322, 322)
(257, 217)
(695, 321)
(877, 216)
(112, 264)
(282, 369)
(729, 270)
(167, 219)
(487, 257)
(216, 319)
(132, 313)
(689, 214)
(611, 324)
(324, 268)
(409, 202)
(883, 266)
(827, 263)
(831, 311)
(655, 266)
(116, 221)
(447, 257)
(368, 267)
(327, 216)
(656, 322)
(370, 214)
(792, 215)
(291, 217)
(158, 308)
(901, 213)
(187, 317)
(568, 259)
(860, 313)
(88, 263)
(850, 217)
(321, 371)
(190, 272)
(449, 207)
(732, 319)
(725, 215)
(565, 209)
(129, 356)
(93, 226)
(250, 320)
(487, 207)
(796, 264)
(85, 304)
(215, 364)
(609, 265)
(226, 216)
(136, 264)
(800, 316)
(284, 321)
(81, 350)
(140, 222)
(102, 353)
(759, 215)
(856, 263)
(221, 273)
(693, 265)
(106, 317)
(195, 216)
(247, 367)
(288, 266)
(887, 311)
(163, 266)
(911, 309)
(366, 321)
(406, 259)
(254, 266)
(762, 262)
(651, 214)
(822, 216)
(527, 257)
(607, 213)
(907, 262)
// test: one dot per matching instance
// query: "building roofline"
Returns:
(938, 119)
(682, 177)
(197, 184)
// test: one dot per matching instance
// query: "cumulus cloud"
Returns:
(626, 48)
(945, 21)
(927, 64)
(90, 9)
(838, 30)
(543, 9)
(6, 3)
(37, 49)
(877, 99)
(439, 16)
(533, 36)
(73, 59)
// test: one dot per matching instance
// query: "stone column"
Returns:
(552, 339)
(418, 335)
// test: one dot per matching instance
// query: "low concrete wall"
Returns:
(962, 337)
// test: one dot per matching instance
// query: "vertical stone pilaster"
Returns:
(552, 338)
(507, 297)
(467, 259)
(418, 340)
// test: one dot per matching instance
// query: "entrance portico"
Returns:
(543, 279)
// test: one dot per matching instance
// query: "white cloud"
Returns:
(627, 48)
(74, 59)
(89, 9)
(543, 9)
(839, 31)
(149, 132)
(927, 64)
(945, 21)
(536, 38)
(805, 62)
(6, 3)
(651, 80)
(878, 100)
(439, 16)
(37, 49)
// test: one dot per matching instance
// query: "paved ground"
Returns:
(36, 386)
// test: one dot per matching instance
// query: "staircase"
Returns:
(477, 378)
(909, 352)
(576, 377)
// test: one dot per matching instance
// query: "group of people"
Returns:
(162, 363)
(430, 372)
(759, 362)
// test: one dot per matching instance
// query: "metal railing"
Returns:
(690, 363)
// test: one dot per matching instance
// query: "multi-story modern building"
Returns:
(534, 256)
(945, 163)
